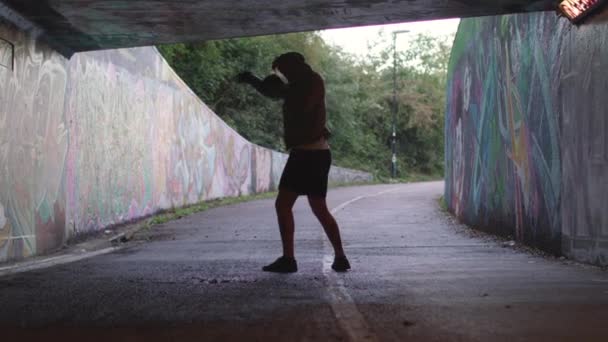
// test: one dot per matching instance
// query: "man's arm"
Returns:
(271, 86)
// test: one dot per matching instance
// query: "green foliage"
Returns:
(359, 96)
(443, 204)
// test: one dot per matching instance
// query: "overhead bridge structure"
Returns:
(83, 25)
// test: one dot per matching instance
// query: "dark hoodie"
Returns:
(304, 115)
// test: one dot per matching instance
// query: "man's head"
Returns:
(290, 64)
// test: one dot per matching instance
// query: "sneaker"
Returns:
(282, 265)
(340, 264)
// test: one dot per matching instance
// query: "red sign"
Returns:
(577, 10)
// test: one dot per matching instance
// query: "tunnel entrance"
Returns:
(73, 26)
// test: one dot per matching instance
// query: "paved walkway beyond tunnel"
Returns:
(416, 276)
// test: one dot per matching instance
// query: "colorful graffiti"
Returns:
(33, 147)
(527, 133)
(503, 168)
(262, 164)
(166, 136)
(109, 137)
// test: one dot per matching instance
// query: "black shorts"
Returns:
(306, 172)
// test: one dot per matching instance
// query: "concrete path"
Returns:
(417, 276)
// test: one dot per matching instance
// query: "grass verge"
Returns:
(409, 178)
(442, 204)
(178, 213)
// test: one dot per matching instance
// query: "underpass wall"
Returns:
(110, 137)
(526, 144)
(584, 142)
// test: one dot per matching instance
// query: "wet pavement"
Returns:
(417, 276)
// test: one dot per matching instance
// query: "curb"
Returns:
(52, 261)
(77, 252)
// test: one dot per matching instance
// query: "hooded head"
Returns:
(292, 65)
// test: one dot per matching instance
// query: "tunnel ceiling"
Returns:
(80, 25)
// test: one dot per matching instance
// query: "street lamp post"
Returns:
(395, 105)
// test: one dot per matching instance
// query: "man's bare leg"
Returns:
(284, 207)
(319, 208)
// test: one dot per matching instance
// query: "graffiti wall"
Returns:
(140, 141)
(525, 133)
(584, 142)
(33, 148)
(109, 137)
(502, 126)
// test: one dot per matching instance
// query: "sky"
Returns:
(354, 40)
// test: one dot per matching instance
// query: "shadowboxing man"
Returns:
(306, 138)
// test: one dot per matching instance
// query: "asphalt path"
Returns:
(416, 276)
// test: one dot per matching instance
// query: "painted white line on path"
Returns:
(345, 310)
(54, 261)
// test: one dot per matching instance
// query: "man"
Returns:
(305, 136)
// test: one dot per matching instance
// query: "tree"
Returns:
(359, 95)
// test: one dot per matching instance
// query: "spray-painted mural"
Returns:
(527, 132)
(109, 137)
(127, 108)
(33, 149)
(502, 127)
